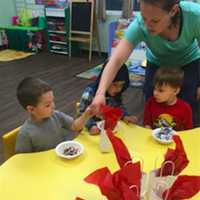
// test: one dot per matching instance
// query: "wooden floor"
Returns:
(60, 73)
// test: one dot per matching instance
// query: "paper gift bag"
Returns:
(157, 184)
(143, 186)
(123, 184)
(144, 181)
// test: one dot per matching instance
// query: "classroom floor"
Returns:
(60, 73)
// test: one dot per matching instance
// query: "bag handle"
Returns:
(136, 188)
(163, 166)
(161, 183)
(172, 174)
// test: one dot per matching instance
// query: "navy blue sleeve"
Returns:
(86, 99)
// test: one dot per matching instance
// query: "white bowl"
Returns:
(156, 133)
(74, 148)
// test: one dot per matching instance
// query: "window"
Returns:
(136, 5)
(117, 4)
(114, 4)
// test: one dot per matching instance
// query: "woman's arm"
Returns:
(120, 56)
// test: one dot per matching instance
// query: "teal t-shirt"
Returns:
(163, 52)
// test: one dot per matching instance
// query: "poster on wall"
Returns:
(53, 3)
(40, 2)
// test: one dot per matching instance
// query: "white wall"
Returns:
(7, 10)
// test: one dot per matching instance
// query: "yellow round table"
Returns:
(44, 176)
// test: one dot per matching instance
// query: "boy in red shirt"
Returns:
(165, 109)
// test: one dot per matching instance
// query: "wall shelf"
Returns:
(60, 52)
(59, 32)
(57, 29)
(57, 42)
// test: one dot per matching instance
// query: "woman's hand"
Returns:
(98, 100)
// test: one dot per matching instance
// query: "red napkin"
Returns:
(130, 174)
(115, 186)
(121, 151)
(129, 194)
(104, 180)
(123, 184)
(111, 115)
(176, 156)
(183, 188)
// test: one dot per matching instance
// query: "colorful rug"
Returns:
(136, 74)
(9, 55)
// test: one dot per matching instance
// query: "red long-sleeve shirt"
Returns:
(177, 116)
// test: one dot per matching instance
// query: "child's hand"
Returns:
(94, 130)
(147, 126)
(89, 112)
(130, 119)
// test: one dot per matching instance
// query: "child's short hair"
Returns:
(170, 76)
(30, 90)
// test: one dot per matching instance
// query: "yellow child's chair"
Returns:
(9, 141)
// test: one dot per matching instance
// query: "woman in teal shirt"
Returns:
(171, 31)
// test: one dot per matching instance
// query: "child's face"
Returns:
(45, 107)
(115, 88)
(165, 93)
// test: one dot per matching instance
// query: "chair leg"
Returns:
(96, 30)
(99, 47)
(90, 50)
(98, 39)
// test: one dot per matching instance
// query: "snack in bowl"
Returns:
(69, 149)
(163, 135)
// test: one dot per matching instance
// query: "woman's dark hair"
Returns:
(169, 76)
(165, 5)
(30, 90)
